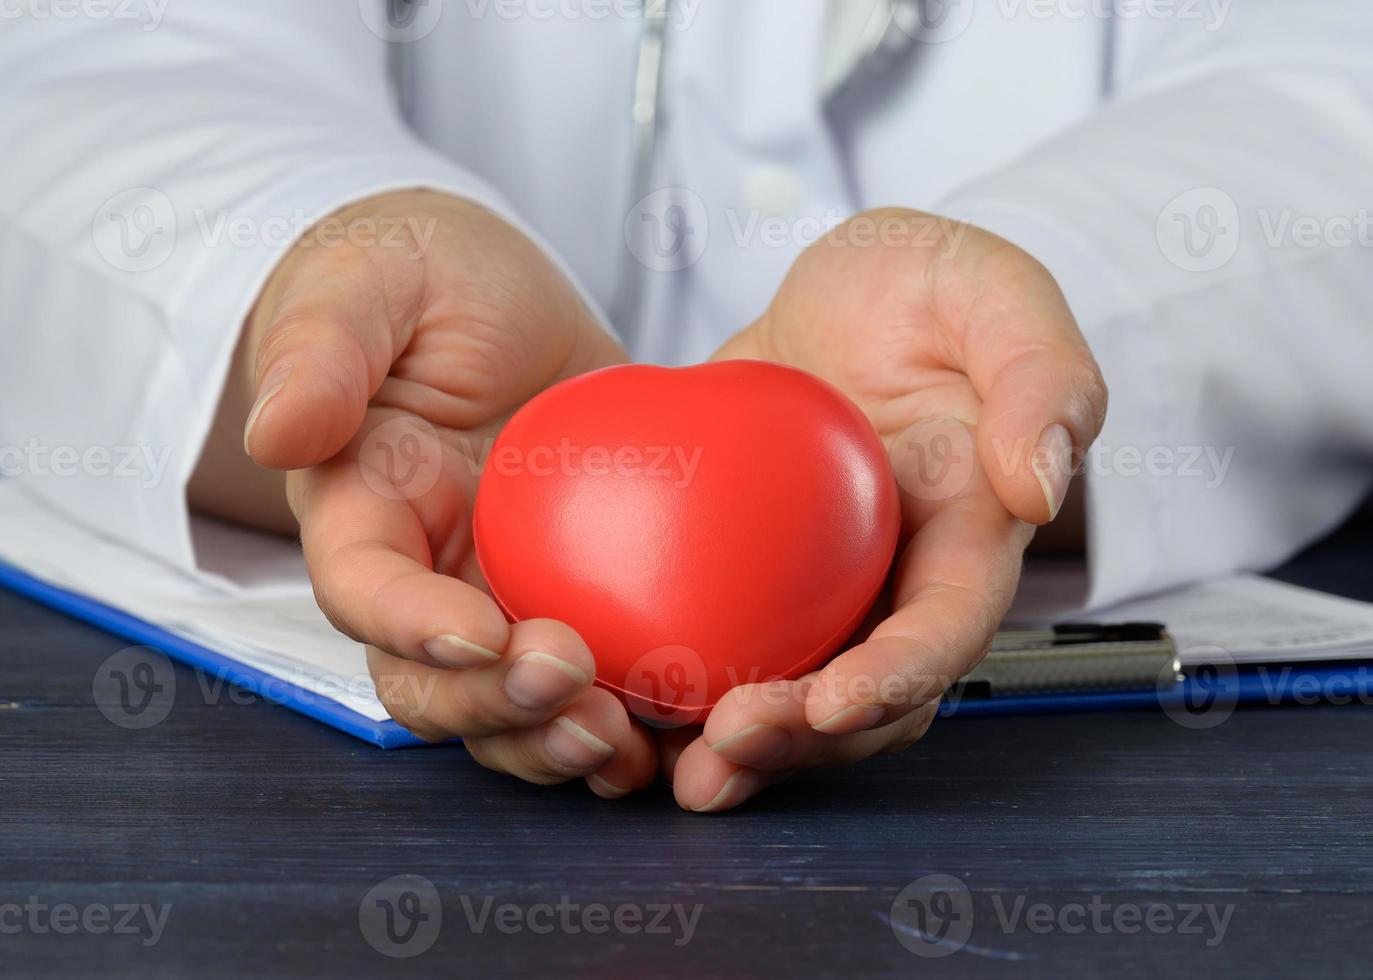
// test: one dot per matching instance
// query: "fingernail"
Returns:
(756, 745)
(605, 788)
(1053, 466)
(453, 651)
(854, 718)
(271, 386)
(736, 790)
(575, 748)
(538, 680)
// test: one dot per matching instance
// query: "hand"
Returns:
(386, 352)
(961, 350)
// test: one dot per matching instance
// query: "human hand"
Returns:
(381, 373)
(962, 351)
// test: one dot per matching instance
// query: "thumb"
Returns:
(1039, 415)
(323, 353)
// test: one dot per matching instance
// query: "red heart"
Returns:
(700, 527)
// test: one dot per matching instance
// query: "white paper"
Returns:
(253, 603)
(1250, 619)
(255, 607)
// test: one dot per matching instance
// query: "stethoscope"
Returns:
(892, 31)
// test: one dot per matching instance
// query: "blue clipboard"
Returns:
(385, 734)
(1198, 693)
(1258, 684)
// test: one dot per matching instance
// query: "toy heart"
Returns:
(699, 527)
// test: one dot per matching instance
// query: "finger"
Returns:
(584, 738)
(708, 783)
(544, 668)
(374, 570)
(1043, 397)
(332, 326)
(765, 727)
(672, 743)
(633, 767)
(953, 585)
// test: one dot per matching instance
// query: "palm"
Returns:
(480, 342)
(869, 322)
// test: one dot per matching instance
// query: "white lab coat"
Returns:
(157, 159)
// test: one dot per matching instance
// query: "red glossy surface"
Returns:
(699, 527)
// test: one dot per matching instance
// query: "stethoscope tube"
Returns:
(647, 109)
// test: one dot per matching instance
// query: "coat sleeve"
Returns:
(157, 164)
(1210, 227)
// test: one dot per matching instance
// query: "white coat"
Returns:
(1198, 175)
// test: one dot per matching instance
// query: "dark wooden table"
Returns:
(1120, 844)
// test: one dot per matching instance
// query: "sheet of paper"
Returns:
(1256, 620)
(267, 620)
(252, 602)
